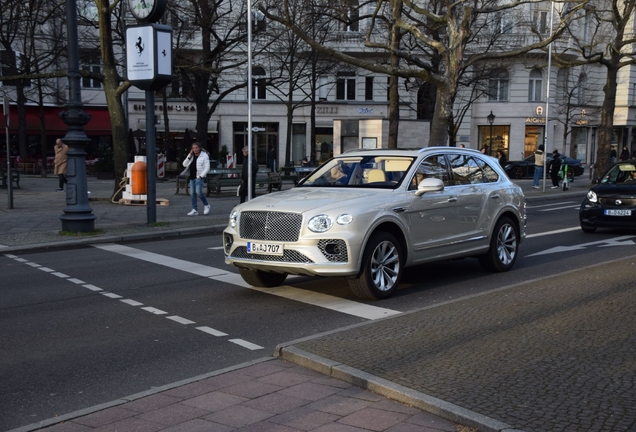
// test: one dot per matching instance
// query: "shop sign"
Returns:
(535, 120)
(184, 108)
(327, 110)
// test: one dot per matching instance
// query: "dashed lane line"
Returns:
(131, 302)
(561, 208)
(553, 232)
(291, 293)
(549, 205)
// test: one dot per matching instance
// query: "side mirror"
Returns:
(429, 185)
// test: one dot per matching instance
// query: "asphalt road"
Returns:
(73, 342)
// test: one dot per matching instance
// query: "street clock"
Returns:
(147, 10)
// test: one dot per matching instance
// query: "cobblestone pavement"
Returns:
(557, 354)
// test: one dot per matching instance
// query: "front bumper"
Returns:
(592, 214)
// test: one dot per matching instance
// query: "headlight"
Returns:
(233, 218)
(591, 196)
(344, 219)
(320, 223)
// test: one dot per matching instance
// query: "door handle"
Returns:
(495, 196)
(452, 199)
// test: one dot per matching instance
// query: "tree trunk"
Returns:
(603, 162)
(22, 135)
(440, 122)
(394, 96)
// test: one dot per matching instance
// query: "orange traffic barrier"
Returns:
(138, 180)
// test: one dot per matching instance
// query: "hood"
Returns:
(303, 199)
(620, 189)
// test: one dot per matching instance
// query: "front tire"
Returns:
(262, 279)
(588, 229)
(517, 172)
(381, 268)
(504, 246)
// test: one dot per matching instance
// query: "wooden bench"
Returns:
(222, 177)
(15, 176)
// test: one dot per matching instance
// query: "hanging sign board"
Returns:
(149, 56)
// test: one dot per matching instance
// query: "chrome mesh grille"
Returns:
(288, 256)
(334, 250)
(611, 202)
(274, 226)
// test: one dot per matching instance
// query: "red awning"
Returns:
(99, 123)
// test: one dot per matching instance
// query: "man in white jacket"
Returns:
(199, 164)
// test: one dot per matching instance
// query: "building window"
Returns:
(535, 86)
(91, 62)
(501, 24)
(368, 89)
(580, 93)
(346, 86)
(498, 85)
(540, 21)
(633, 101)
(259, 83)
(323, 89)
(351, 17)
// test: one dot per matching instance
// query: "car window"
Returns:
(432, 167)
(465, 170)
(620, 173)
(489, 172)
(385, 172)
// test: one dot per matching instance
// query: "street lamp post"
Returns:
(78, 216)
(491, 120)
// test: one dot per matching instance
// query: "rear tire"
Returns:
(262, 279)
(517, 172)
(381, 268)
(504, 246)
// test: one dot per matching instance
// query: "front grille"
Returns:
(611, 202)
(334, 250)
(291, 256)
(273, 226)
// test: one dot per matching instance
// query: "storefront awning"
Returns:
(179, 125)
(99, 124)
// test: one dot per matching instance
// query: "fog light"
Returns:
(228, 241)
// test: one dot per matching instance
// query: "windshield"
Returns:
(386, 172)
(620, 173)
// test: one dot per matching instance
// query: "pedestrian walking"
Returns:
(555, 166)
(198, 164)
(245, 174)
(624, 154)
(60, 162)
(271, 158)
(539, 159)
(501, 156)
(613, 155)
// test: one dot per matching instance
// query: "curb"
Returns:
(214, 229)
(392, 391)
(130, 398)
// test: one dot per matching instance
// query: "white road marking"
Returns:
(32, 264)
(246, 344)
(154, 310)
(3, 246)
(77, 281)
(111, 295)
(210, 330)
(180, 320)
(46, 269)
(22, 260)
(60, 275)
(92, 287)
(551, 205)
(617, 241)
(10, 256)
(131, 302)
(561, 208)
(305, 296)
(186, 266)
(553, 232)
(216, 248)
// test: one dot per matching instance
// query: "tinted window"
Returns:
(490, 174)
(465, 170)
(432, 167)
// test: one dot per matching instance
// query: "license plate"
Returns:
(265, 248)
(618, 212)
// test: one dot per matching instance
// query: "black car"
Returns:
(611, 203)
(525, 168)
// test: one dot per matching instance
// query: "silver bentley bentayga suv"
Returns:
(367, 214)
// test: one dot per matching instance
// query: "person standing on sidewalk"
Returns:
(199, 164)
(624, 154)
(555, 166)
(60, 163)
(539, 158)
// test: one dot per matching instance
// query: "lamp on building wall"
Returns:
(491, 120)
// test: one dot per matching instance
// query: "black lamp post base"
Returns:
(78, 223)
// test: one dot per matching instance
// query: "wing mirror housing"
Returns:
(429, 185)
